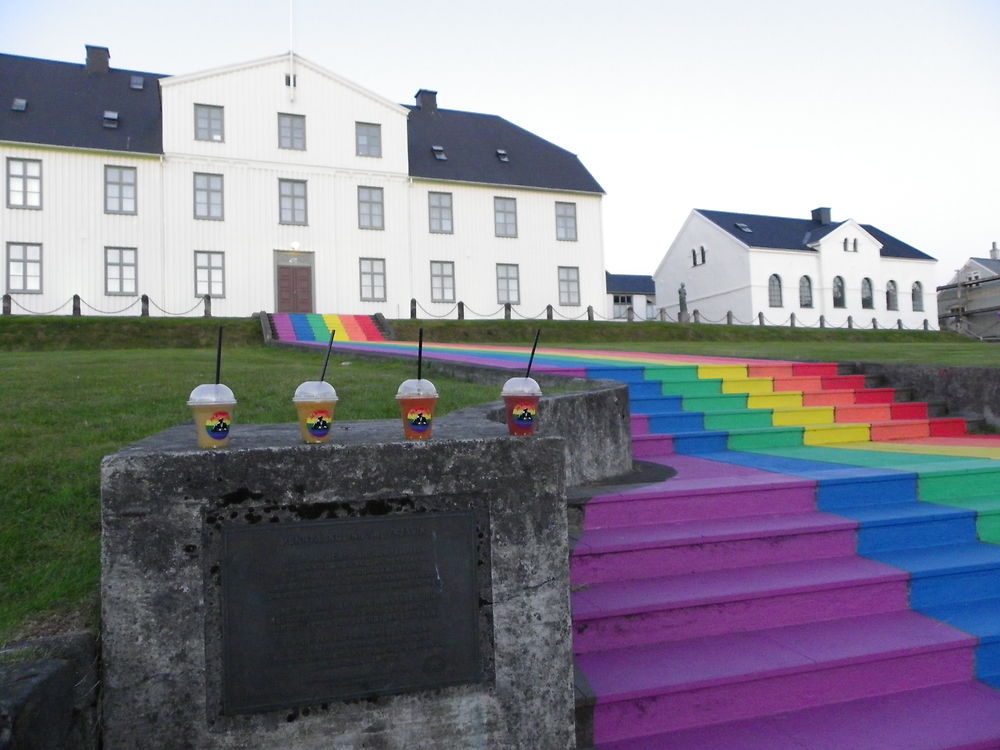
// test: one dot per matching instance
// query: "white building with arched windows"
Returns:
(746, 265)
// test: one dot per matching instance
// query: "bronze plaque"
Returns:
(324, 610)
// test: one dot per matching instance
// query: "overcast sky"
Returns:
(888, 111)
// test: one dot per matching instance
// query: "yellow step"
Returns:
(725, 372)
(774, 400)
(830, 434)
(802, 416)
(748, 385)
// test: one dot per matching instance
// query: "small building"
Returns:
(823, 272)
(630, 291)
(970, 302)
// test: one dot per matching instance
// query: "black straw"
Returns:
(420, 355)
(218, 359)
(532, 357)
(329, 348)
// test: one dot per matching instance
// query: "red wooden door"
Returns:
(295, 289)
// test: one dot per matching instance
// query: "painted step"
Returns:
(849, 396)
(656, 404)
(631, 552)
(959, 716)
(709, 497)
(947, 574)
(620, 614)
(982, 619)
(670, 686)
(909, 525)
(819, 382)
(652, 445)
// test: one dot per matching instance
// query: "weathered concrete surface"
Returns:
(968, 392)
(48, 694)
(163, 501)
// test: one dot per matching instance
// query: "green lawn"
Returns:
(63, 411)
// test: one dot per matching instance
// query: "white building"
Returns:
(745, 265)
(630, 292)
(277, 185)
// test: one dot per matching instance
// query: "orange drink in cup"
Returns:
(417, 398)
(314, 402)
(212, 409)
(520, 397)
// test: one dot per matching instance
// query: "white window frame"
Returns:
(775, 298)
(368, 139)
(442, 281)
(508, 284)
(565, 221)
(620, 303)
(867, 294)
(209, 273)
(120, 195)
(291, 131)
(372, 278)
(569, 286)
(806, 292)
(371, 207)
(917, 296)
(293, 202)
(120, 271)
(843, 292)
(440, 215)
(891, 295)
(23, 257)
(22, 176)
(209, 123)
(212, 185)
(505, 217)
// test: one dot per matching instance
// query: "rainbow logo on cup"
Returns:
(318, 422)
(217, 425)
(524, 414)
(418, 420)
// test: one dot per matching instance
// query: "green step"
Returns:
(775, 437)
(718, 402)
(738, 420)
(693, 388)
(666, 374)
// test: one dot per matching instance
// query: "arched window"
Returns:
(805, 292)
(891, 298)
(694, 257)
(855, 244)
(702, 253)
(917, 296)
(839, 297)
(845, 244)
(774, 290)
(867, 295)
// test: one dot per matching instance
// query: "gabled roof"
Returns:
(993, 266)
(623, 283)
(66, 104)
(470, 141)
(782, 233)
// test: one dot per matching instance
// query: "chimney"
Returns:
(995, 252)
(427, 100)
(97, 59)
(821, 216)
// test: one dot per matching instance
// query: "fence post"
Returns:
(793, 320)
(696, 316)
(663, 315)
(145, 306)
(899, 323)
(875, 324)
(630, 315)
(548, 312)
(822, 321)
(927, 326)
(6, 304)
(461, 311)
(729, 317)
(413, 308)
(76, 305)
(208, 305)
(760, 318)
(506, 310)
(590, 313)
(850, 321)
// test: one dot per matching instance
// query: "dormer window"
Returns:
(110, 118)
(19, 105)
(439, 153)
(743, 227)
(502, 155)
(137, 83)
(850, 246)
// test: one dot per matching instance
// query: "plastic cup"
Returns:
(212, 410)
(520, 397)
(314, 401)
(417, 399)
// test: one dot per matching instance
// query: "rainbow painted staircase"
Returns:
(822, 572)
(313, 327)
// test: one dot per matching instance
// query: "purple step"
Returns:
(652, 445)
(630, 552)
(670, 686)
(959, 716)
(612, 615)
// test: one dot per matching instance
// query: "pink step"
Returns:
(670, 686)
(958, 716)
(630, 552)
(639, 612)
(650, 446)
(685, 499)
(639, 424)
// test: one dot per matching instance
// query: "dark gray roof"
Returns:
(795, 234)
(624, 283)
(470, 141)
(66, 106)
(992, 265)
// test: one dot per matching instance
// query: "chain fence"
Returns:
(77, 304)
